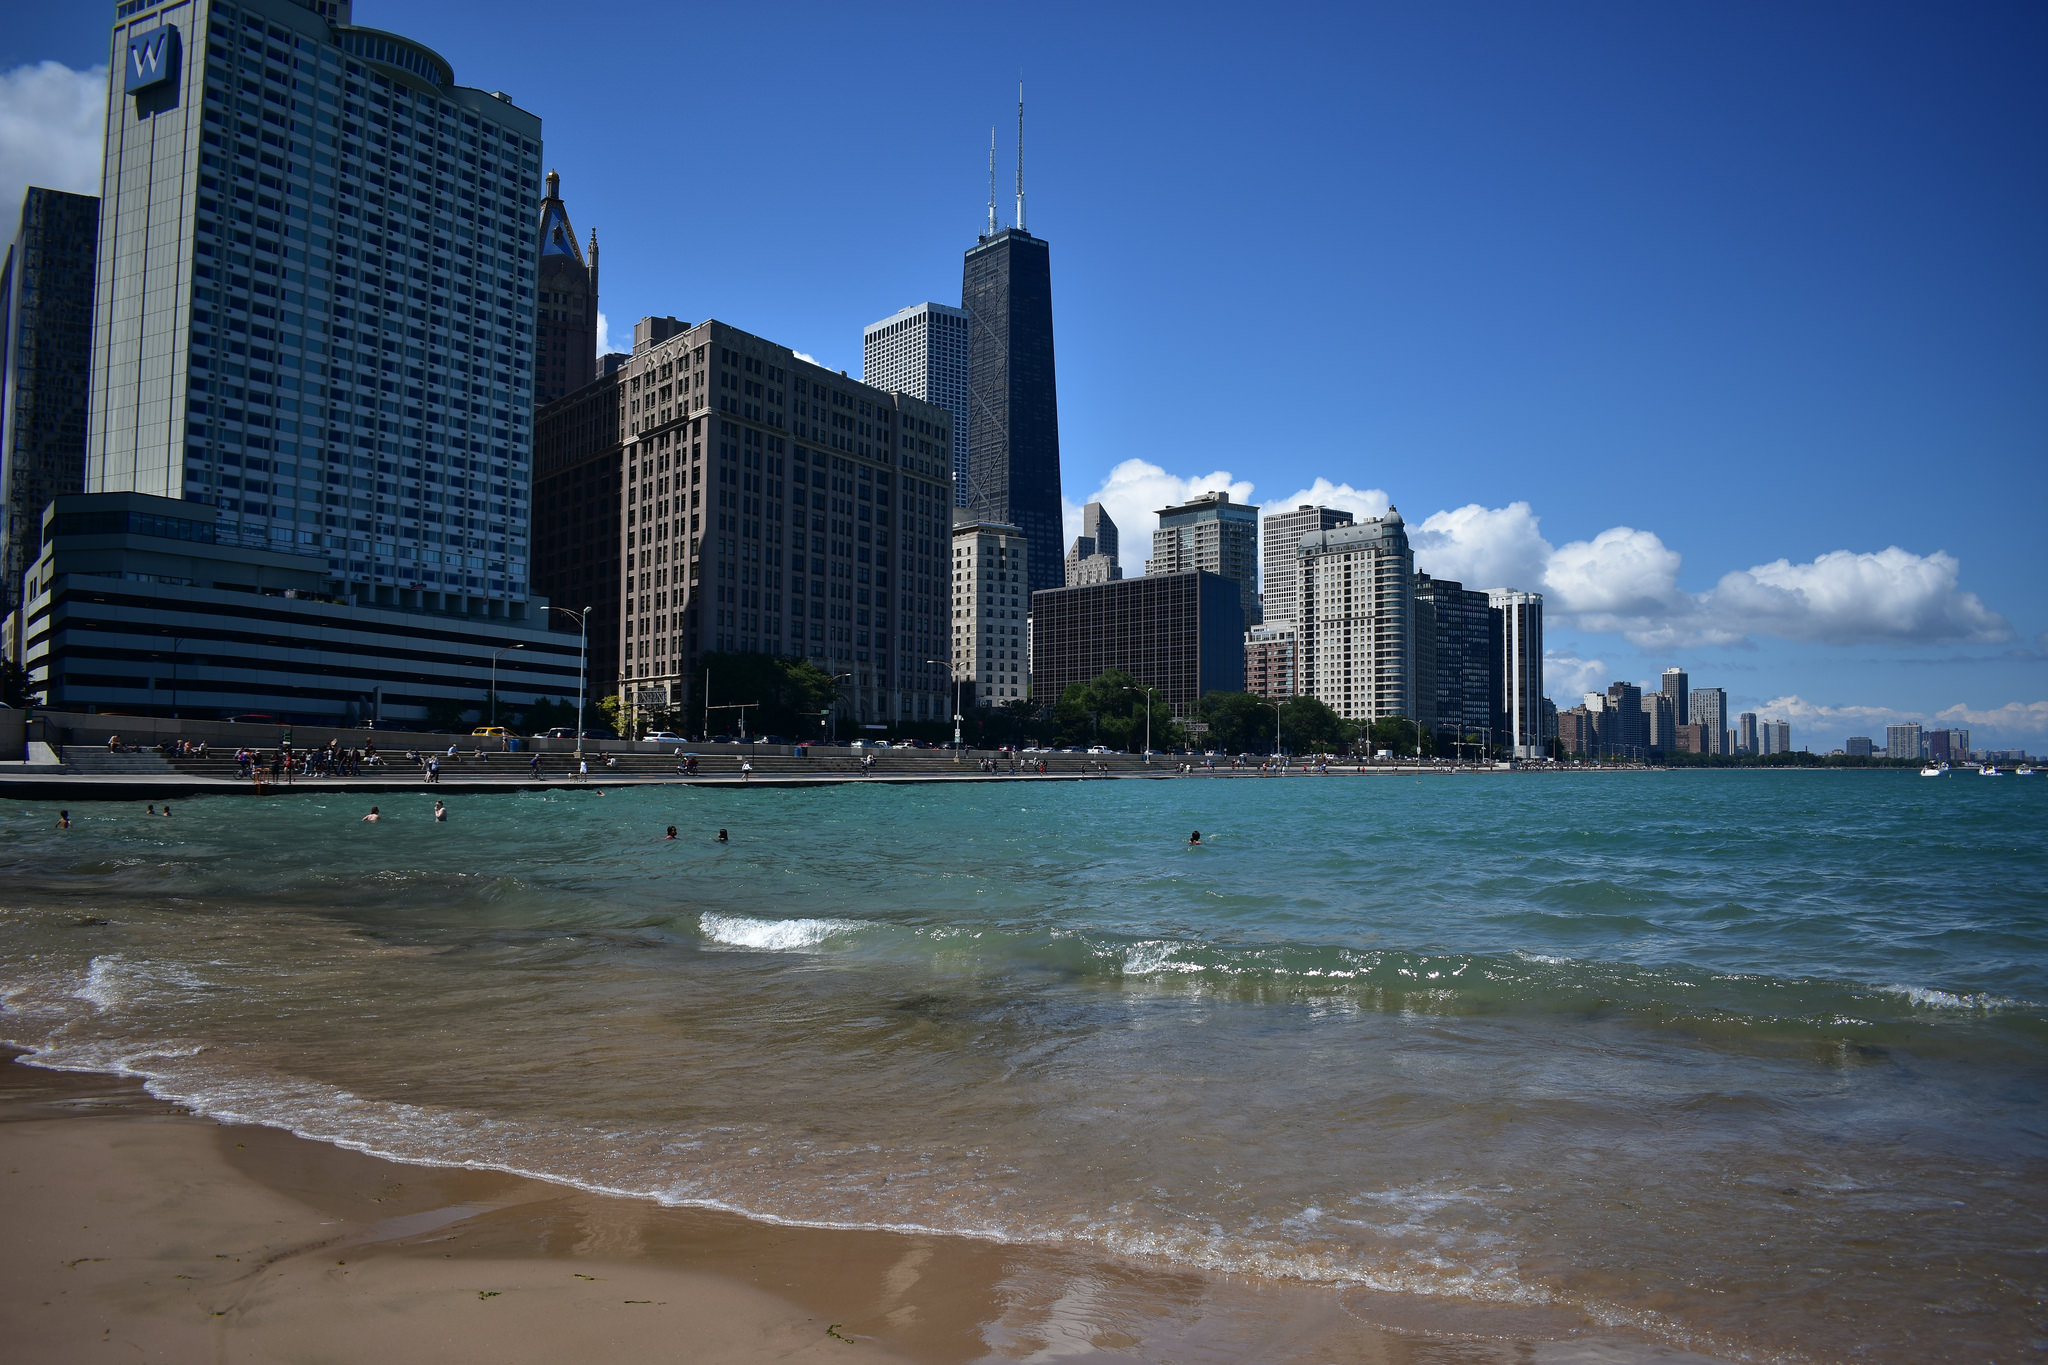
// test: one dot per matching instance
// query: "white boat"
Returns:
(1989, 771)
(1931, 771)
(2023, 771)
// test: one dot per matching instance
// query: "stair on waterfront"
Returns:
(515, 767)
(96, 761)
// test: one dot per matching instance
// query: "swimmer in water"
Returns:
(167, 810)
(151, 810)
(1195, 839)
(722, 839)
(670, 835)
(63, 819)
(440, 812)
(372, 818)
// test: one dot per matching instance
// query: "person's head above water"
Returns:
(1195, 838)
(671, 832)
(721, 837)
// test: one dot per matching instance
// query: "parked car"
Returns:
(664, 737)
(566, 732)
(253, 718)
(493, 732)
(1100, 749)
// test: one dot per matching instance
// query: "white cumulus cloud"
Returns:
(2015, 718)
(1133, 493)
(1828, 724)
(1363, 503)
(1568, 677)
(1848, 598)
(1625, 581)
(52, 127)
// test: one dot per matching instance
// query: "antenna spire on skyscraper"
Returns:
(1020, 155)
(991, 182)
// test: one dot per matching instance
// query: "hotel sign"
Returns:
(152, 59)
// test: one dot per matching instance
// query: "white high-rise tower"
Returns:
(922, 351)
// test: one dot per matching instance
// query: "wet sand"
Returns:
(137, 1231)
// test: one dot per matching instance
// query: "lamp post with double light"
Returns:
(494, 681)
(582, 668)
(1148, 691)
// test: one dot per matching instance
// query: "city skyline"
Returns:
(1942, 612)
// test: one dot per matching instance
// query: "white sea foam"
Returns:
(774, 935)
(1155, 955)
(115, 981)
(1927, 998)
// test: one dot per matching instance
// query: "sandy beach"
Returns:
(139, 1232)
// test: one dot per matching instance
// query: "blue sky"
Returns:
(1706, 289)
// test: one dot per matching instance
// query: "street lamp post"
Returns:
(954, 672)
(582, 669)
(1148, 691)
(833, 709)
(494, 680)
(1276, 727)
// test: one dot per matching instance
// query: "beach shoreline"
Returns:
(138, 1230)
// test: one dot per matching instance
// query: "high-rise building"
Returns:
(1093, 556)
(1215, 535)
(1708, 706)
(1776, 737)
(1454, 691)
(1947, 746)
(1283, 531)
(314, 306)
(577, 517)
(1660, 723)
(991, 607)
(922, 351)
(45, 356)
(1355, 614)
(565, 323)
(1624, 730)
(1181, 633)
(1745, 734)
(1904, 741)
(1272, 660)
(1578, 730)
(1675, 686)
(1013, 422)
(1518, 671)
(775, 506)
(1857, 746)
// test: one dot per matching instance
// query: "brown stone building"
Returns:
(771, 505)
(576, 463)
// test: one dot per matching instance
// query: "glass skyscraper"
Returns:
(1013, 420)
(315, 297)
(45, 328)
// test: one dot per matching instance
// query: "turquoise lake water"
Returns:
(1754, 1063)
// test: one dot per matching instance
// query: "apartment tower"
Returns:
(922, 351)
(1355, 597)
(991, 609)
(1283, 531)
(1215, 535)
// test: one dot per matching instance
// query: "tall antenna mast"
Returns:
(1020, 156)
(991, 182)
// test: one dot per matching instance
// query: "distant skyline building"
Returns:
(1947, 746)
(565, 323)
(1453, 657)
(923, 351)
(1093, 556)
(1660, 722)
(1676, 685)
(46, 285)
(775, 506)
(991, 606)
(1858, 746)
(1624, 729)
(314, 305)
(1281, 532)
(1708, 706)
(1355, 596)
(1776, 737)
(1746, 741)
(1215, 535)
(1518, 671)
(1182, 633)
(1904, 741)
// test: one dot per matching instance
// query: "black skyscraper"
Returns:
(1013, 415)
